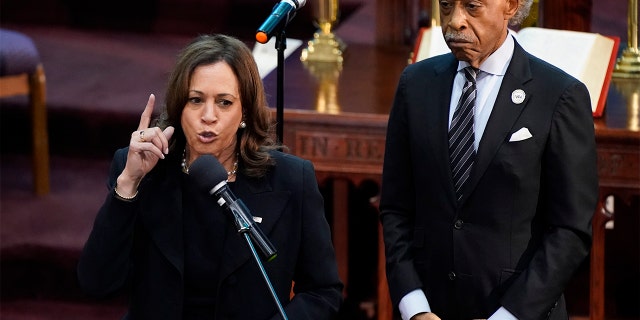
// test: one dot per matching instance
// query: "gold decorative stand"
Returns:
(325, 46)
(327, 74)
(628, 65)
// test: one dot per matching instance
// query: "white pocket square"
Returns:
(520, 135)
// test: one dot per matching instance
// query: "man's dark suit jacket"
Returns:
(524, 224)
(144, 238)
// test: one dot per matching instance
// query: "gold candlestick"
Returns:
(327, 74)
(325, 45)
(628, 65)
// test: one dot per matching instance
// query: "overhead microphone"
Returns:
(282, 13)
(209, 174)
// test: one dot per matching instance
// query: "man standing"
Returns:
(490, 177)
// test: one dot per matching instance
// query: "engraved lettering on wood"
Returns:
(312, 146)
(365, 149)
(609, 163)
(331, 146)
(618, 165)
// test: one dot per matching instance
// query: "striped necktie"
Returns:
(461, 136)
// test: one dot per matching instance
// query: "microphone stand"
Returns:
(244, 227)
(281, 46)
(264, 273)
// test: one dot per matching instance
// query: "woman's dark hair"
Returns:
(256, 139)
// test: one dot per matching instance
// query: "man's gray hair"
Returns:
(523, 11)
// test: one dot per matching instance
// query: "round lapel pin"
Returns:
(517, 96)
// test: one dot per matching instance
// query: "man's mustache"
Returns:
(457, 36)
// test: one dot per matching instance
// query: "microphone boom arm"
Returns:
(246, 224)
(244, 220)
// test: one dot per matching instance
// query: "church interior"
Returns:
(102, 60)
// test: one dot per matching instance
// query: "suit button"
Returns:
(452, 275)
(458, 224)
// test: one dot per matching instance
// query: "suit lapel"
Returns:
(163, 215)
(503, 116)
(437, 125)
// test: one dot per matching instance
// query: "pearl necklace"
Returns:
(185, 166)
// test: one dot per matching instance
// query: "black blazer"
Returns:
(140, 245)
(524, 224)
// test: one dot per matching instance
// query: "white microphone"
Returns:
(279, 15)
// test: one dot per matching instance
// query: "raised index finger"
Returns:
(145, 118)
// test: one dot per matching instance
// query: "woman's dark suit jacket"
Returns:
(140, 244)
(524, 224)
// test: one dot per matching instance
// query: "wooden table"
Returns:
(336, 117)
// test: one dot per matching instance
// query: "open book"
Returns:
(589, 57)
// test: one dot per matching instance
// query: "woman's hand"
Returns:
(146, 147)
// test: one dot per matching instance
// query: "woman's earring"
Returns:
(243, 124)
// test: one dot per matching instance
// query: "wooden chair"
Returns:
(22, 74)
